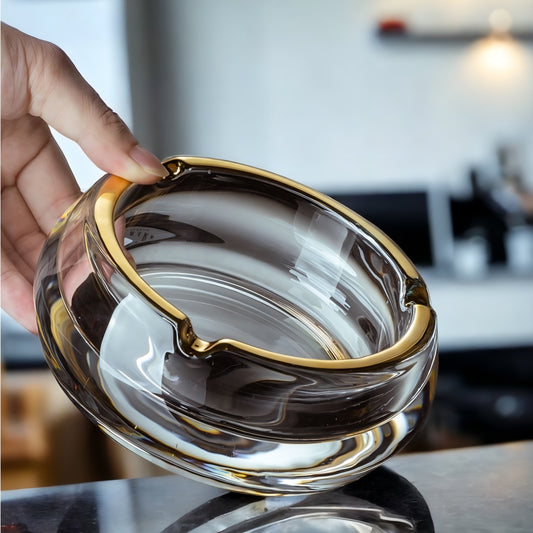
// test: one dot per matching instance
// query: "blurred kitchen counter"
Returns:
(486, 310)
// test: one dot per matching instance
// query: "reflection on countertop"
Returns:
(475, 489)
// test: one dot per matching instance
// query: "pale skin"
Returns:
(41, 88)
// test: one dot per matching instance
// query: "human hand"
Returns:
(41, 88)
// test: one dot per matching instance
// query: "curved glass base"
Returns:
(133, 398)
(268, 468)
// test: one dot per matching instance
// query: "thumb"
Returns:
(61, 96)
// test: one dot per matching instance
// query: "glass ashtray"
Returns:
(233, 325)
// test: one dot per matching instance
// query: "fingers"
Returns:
(59, 94)
(17, 295)
(54, 191)
(36, 175)
(37, 186)
(22, 243)
(73, 108)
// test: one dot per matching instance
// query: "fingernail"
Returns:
(148, 161)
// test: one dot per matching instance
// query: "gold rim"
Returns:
(418, 334)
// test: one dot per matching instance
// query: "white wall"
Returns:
(304, 88)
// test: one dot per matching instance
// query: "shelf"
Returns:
(462, 37)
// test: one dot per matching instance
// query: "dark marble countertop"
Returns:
(479, 489)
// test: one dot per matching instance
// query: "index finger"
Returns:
(62, 97)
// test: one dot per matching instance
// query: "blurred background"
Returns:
(417, 114)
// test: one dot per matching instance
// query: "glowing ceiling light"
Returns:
(500, 56)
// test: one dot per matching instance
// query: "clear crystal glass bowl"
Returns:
(236, 326)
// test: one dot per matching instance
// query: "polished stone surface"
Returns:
(482, 489)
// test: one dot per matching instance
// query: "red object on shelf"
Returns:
(392, 25)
